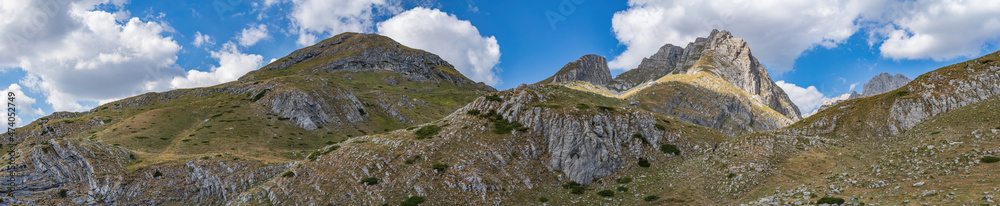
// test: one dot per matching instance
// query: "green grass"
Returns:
(625, 180)
(606, 193)
(670, 149)
(369, 181)
(830, 200)
(440, 167)
(413, 201)
(427, 132)
(989, 159)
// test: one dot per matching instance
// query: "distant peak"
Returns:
(589, 68)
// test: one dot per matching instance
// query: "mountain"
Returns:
(713, 82)
(589, 68)
(738, 67)
(883, 83)
(210, 138)
(879, 84)
(928, 142)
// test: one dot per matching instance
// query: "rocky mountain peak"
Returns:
(589, 68)
(358, 52)
(883, 83)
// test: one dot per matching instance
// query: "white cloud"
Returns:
(940, 30)
(456, 41)
(23, 105)
(201, 39)
(778, 30)
(855, 84)
(232, 65)
(314, 19)
(253, 34)
(807, 99)
(75, 54)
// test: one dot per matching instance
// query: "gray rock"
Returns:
(883, 83)
(589, 68)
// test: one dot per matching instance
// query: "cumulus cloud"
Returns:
(314, 19)
(456, 41)
(253, 34)
(807, 99)
(78, 54)
(232, 65)
(940, 30)
(202, 39)
(23, 104)
(778, 31)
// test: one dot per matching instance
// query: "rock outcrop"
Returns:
(589, 68)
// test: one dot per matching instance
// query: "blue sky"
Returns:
(87, 52)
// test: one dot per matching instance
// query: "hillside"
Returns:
(347, 86)
(290, 134)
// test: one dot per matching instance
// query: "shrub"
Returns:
(362, 111)
(288, 174)
(574, 187)
(427, 132)
(669, 148)
(606, 108)
(606, 193)
(622, 189)
(935, 132)
(830, 200)
(440, 167)
(660, 127)
(369, 180)
(493, 98)
(582, 106)
(625, 180)
(413, 201)
(651, 198)
(473, 112)
(62, 193)
(313, 155)
(903, 93)
(643, 162)
(260, 95)
(989, 159)
(986, 61)
(552, 106)
(157, 174)
(141, 137)
(543, 199)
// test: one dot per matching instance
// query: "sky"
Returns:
(73, 55)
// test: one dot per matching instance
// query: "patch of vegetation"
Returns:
(494, 98)
(412, 160)
(157, 174)
(582, 106)
(903, 93)
(606, 193)
(369, 180)
(288, 174)
(660, 127)
(625, 180)
(574, 187)
(986, 61)
(622, 189)
(501, 125)
(62, 193)
(989, 159)
(669, 148)
(606, 108)
(427, 132)
(259, 95)
(643, 162)
(413, 201)
(830, 200)
(935, 132)
(362, 111)
(543, 199)
(473, 112)
(440, 167)
(651, 198)
(731, 175)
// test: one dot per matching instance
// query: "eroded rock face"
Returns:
(589, 68)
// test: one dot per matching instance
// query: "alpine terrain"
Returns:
(360, 119)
